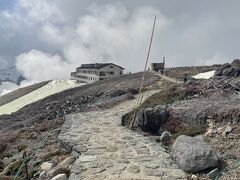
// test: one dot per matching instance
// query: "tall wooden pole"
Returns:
(140, 96)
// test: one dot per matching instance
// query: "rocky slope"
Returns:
(34, 128)
(199, 107)
(20, 92)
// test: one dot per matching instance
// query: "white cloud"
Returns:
(216, 59)
(107, 34)
(39, 66)
(40, 11)
(77, 31)
(3, 62)
(53, 35)
(7, 87)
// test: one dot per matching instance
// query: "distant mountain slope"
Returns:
(50, 88)
(20, 92)
(11, 75)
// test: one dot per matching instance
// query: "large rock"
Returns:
(60, 177)
(227, 69)
(219, 71)
(46, 166)
(165, 136)
(236, 63)
(193, 154)
(151, 119)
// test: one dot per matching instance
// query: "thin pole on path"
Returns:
(140, 96)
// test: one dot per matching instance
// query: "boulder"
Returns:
(73, 176)
(194, 177)
(151, 119)
(80, 148)
(235, 63)
(193, 154)
(219, 71)
(60, 177)
(42, 175)
(46, 166)
(237, 72)
(75, 154)
(213, 174)
(227, 69)
(165, 136)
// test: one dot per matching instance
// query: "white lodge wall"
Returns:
(95, 74)
(87, 75)
(110, 71)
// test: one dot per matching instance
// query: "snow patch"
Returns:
(206, 75)
(51, 88)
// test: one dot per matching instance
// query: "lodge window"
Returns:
(82, 77)
(102, 73)
(111, 73)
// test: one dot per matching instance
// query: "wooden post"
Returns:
(140, 96)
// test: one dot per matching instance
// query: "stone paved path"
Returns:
(169, 79)
(110, 151)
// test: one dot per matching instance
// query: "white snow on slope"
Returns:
(206, 75)
(52, 87)
(7, 87)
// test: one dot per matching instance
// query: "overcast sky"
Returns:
(47, 39)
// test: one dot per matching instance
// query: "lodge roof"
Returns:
(97, 66)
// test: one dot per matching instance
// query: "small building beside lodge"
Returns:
(88, 73)
(158, 67)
